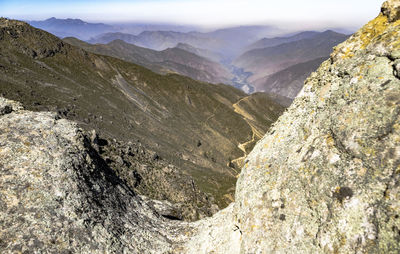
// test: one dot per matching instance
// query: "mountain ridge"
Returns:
(270, 42)
(171, 60)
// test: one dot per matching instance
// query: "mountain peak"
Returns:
(28, 40)
(54, 19)
(329, 31)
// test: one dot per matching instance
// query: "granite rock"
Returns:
(325, 177)
(58, 195)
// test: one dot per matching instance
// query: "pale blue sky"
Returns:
(208, 13)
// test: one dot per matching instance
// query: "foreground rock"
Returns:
(58, 195)
(323, 180)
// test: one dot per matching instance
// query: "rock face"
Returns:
(325, 179)
(391, 10)
(58, 195)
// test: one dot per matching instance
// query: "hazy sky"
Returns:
(208, 13)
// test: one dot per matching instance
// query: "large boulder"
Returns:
(57, 195)
(325, 179)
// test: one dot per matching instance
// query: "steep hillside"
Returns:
(173, 60)
(259, 110)
(266, 61)
(288, 82)
(191, 124)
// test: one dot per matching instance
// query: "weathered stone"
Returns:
(8, 106)
(391, 9)
(325, 177)
(330, 164)
(58, 195)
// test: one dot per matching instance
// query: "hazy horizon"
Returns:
(307, 14)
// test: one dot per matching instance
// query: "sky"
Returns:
(205, 13)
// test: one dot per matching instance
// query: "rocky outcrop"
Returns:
(58, 195)
(391, 10)
(325, 179)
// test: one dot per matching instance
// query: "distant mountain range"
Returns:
(157, 36)
(225, 42)
(286, 61)
(72, 27)
(171, 60)
(256, 60)
(265, 61)
(234, 39)
(271, 42)
(288, 82)
(85, 30)
(159, 40)
(216, 57)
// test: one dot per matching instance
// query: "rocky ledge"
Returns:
(324, 179)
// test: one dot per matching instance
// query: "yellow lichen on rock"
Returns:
(373, 29)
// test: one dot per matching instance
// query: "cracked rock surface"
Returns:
(325, 179)
(57, 195)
